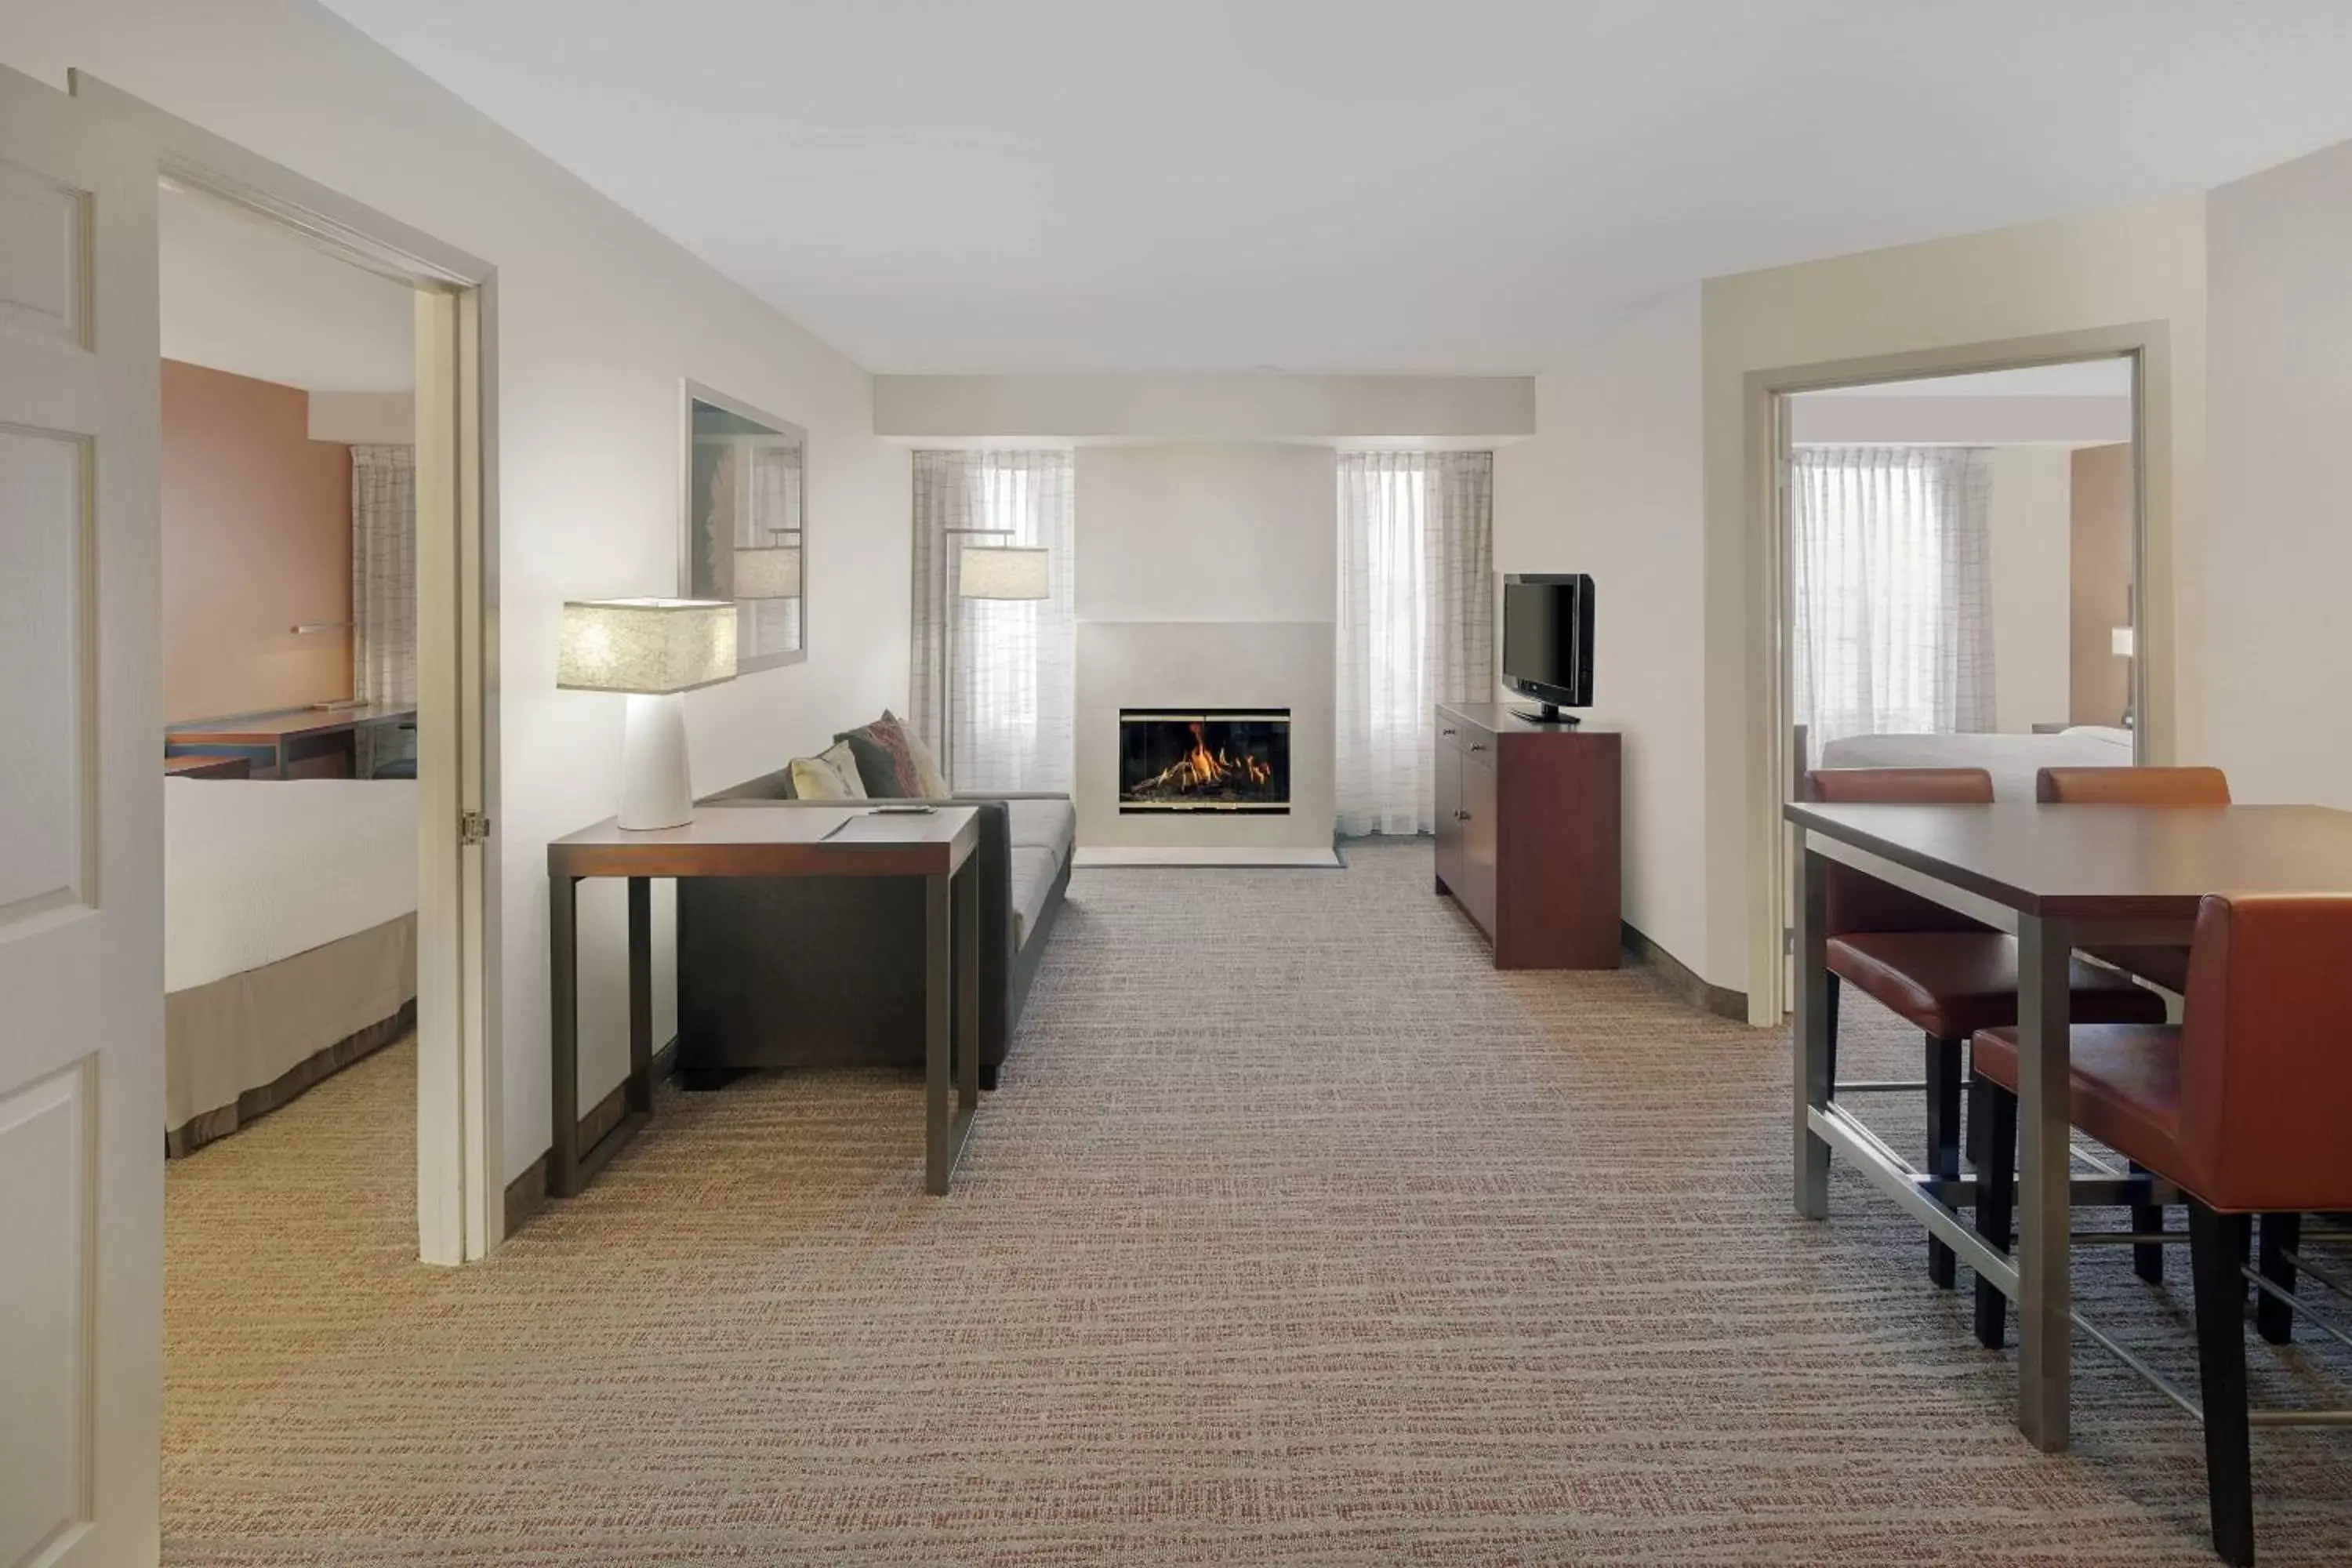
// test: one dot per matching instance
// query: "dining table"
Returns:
(2058, 878)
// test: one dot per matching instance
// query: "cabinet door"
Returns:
(1449, 817)
(1476, 888)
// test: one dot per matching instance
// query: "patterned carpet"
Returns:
(1297, 1235)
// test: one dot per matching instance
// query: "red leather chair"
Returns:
(2242, 1107)
(2166, 966)
(1946, 974)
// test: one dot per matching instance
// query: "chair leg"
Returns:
(1994, 1116)
(1943, 1140)
(2217, 1242)
(2148, 1260)
(2280, 1233)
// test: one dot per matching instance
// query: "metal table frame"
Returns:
(2036, 1274)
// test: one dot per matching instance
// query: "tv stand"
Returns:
(1528, 817)
(1548, 713)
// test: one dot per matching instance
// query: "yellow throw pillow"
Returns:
(831, 774)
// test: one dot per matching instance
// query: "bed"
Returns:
(2011, 759)
(289, 945)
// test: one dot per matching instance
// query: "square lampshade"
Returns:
(770, 572)
(652, 647)
(1004, 571)
(2122, 641)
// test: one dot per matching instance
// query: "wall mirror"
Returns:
(747, 525)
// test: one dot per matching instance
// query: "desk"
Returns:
(747, 841)
(289, 739)
(2060, 878)
(199, 765)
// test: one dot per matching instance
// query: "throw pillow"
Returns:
(822, 777)
(885, 766)
(927, 768)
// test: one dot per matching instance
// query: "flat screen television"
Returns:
(1548, 642)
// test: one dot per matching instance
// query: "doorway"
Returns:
(1922, 515)
(459, 1195)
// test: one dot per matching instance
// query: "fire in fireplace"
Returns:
(1205, 759)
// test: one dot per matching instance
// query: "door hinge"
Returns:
(473, 828)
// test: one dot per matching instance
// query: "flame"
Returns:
(1198, 768)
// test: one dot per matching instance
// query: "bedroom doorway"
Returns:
(1960, 578)
(442, 727)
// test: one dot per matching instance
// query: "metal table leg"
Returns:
(950, 1019)
(2045, 1301)
(1811, 1033)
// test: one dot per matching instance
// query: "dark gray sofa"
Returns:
(828, 971)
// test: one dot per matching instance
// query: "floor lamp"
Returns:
(985, 572)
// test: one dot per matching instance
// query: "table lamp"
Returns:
(652, 650)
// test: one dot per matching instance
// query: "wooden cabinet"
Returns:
(1528, 823)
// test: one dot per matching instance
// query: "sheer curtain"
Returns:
(1416, 624)
(1894, 614)
(1010, 660)
(384, 574)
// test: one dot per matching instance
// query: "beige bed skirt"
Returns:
(249, 1043)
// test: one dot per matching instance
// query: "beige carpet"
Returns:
(1297, 1235)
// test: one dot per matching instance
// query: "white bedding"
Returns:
(255, 871)
(2012, 760)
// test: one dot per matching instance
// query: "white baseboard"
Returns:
(1169, 855)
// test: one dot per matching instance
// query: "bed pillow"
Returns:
(886, 765)
(831, 774)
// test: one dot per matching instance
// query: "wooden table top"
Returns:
(217, 767)
(2114, 862)
(747, 841)
(269, 728)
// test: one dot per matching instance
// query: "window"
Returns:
(1416, 624)
(992, 676)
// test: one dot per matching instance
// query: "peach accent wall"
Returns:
(2099, 587)
(257, 538)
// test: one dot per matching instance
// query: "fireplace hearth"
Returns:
(1203, 759)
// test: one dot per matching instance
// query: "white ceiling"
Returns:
(242, 297)
(1329, 186)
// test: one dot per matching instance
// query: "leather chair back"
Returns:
(2265, 1079)
(2132, 786)
(1860, 902)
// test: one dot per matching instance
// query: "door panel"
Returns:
(1478, 841)
(81, 869)
(1449, 822)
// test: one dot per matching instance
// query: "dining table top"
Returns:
(2104, 862)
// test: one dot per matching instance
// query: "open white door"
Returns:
(82, 851)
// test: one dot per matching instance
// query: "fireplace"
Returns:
(1205, 759)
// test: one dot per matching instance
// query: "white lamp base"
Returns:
(656, 791)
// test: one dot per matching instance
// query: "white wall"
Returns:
(2031, 520)
(1206, 574)
(1612, 486)
(1207, 533)
(2279, 549)
(1204, 407)
(600, 319)
(2113, 270)
(1864, 419)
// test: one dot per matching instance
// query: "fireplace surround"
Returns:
(1205, 760)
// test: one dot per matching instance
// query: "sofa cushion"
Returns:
(1034, 870)
(1049, 825)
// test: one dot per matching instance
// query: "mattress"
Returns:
(258, 871)
(2011, 759)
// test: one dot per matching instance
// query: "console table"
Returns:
(1528, 823)
(747, 841)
